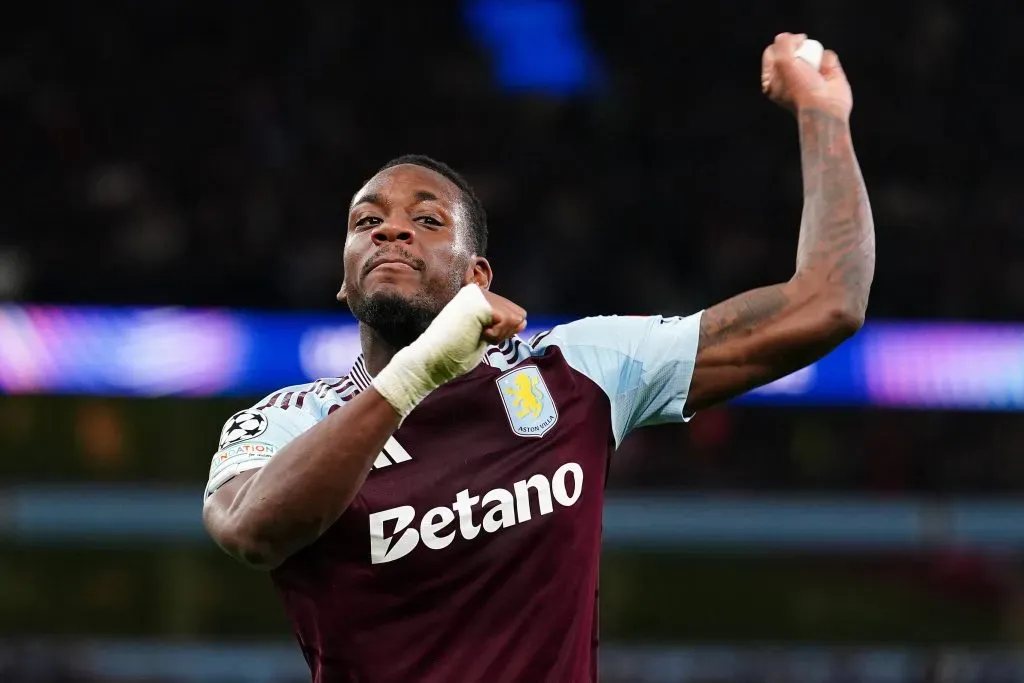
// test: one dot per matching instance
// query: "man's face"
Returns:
(408, 251)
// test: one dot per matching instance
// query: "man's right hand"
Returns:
(507, 319)
(451, 346)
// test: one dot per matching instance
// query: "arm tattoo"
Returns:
(766, 333)
(837, 237)
(836, 249)
(740, 315)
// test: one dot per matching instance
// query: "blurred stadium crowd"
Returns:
(196, 153)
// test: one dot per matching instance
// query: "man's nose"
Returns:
(393, 230)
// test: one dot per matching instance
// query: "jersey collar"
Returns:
(359, 374)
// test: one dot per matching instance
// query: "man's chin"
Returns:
(397, 315)
(388, 289)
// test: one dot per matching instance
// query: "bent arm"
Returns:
(767, 333)
(264, 516)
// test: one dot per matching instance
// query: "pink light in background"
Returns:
(946, 365)
(138, 351)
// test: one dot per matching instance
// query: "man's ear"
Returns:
(479, 271)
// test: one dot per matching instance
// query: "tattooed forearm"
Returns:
(837, 239)
(741, 315)
(766, 333)
(770, 332)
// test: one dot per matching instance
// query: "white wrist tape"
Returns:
(450, 347)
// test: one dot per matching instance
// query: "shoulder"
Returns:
(597, 346)
(643, 363)
(601, 330)
(289, 410)
(618, 333)
(309, 396)
(624, 352)
(602, 339)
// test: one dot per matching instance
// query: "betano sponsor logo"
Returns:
(501, 509)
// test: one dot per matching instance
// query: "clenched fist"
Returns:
(793, 84)
(507, 319)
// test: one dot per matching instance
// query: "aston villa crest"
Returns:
(528, 403)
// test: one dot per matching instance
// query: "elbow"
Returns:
(842, 321)
(257, 555)
(247, 543)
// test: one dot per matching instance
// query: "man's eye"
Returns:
(368, 222)
(429, 220)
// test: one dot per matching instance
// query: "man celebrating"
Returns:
(436, 514)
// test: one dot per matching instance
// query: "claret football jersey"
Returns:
(471, 552)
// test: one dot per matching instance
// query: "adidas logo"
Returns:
(392, 454)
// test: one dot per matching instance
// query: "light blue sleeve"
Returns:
(250, 438)
(643, 363)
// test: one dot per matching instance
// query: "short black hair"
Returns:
(477, 216)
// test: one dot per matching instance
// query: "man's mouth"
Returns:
(395, 262)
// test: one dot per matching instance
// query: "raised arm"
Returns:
(767, 333)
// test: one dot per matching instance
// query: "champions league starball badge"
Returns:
(243, 425)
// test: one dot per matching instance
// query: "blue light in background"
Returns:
(106, 351)
(537, 45)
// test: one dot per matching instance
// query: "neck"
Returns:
(376, 351)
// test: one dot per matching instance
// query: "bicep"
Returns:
(757, 337)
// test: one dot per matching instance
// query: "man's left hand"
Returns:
(794, 84)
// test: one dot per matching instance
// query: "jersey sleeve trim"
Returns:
(252, 436)
(226, 466)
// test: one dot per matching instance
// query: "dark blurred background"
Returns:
(182, 154)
